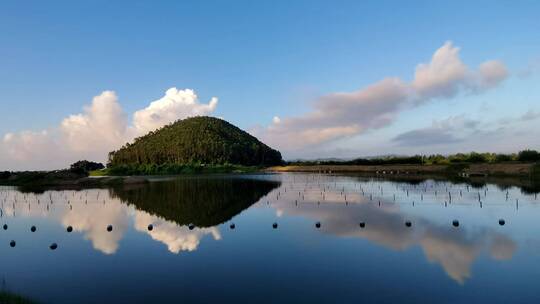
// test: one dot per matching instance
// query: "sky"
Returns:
(313, 79)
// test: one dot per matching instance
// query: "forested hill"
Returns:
(196, 140)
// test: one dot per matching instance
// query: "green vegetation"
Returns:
(529, 156)
(39, 178)
(84, 166)
(10, 298)
(192, 144)
(75, 174)
(526, 156)
(535, 172)
(171, 169)
(202, 201)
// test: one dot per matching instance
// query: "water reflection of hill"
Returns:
(204, 202)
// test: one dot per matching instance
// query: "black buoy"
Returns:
(191, 226)
(33, 228)
(69, 229)
(274, 225)
(5, 227)
(109, 228)
(455, 223)
(53, 246)
(502, 222)
(12, 243)
(232, 226)
(318, 224)
(150, 227)
(362, 224)
(408, 223)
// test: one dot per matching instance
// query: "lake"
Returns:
(272, 238)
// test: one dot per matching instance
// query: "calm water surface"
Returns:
(211, 239)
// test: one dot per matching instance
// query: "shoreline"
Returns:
(463, 170)
(516, 173)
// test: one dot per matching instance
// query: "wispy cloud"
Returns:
(530, 115)
(460, 132)
(447, 131)
(345, 114)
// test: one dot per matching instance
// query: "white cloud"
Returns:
(176, 103)
(102, 127)
(340, 115)
(491, 73)
(443, 76)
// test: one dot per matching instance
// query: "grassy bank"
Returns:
(172, 169)
(63, 179)
(44, 178)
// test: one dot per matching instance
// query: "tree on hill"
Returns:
(196, 140)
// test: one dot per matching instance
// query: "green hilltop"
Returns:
(195, 141)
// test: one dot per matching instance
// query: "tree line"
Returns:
(527, 156)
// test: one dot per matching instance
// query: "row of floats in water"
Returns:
(232, 226)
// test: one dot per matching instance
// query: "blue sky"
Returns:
(263, 59)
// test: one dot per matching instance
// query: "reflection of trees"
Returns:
(525, 184)
(8, 297)
(204, 202)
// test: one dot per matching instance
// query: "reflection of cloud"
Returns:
(93, 220)
(454, 254)
(455, 250)
(177, 238)
(502, 248)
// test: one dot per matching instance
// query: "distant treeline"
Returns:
(528, 156)
(76, 171)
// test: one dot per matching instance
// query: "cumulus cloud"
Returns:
(340, 115)
(443, 76)
(101, 127)
(27, 144)
(176, 103)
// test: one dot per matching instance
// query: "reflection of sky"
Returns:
(339, 203)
